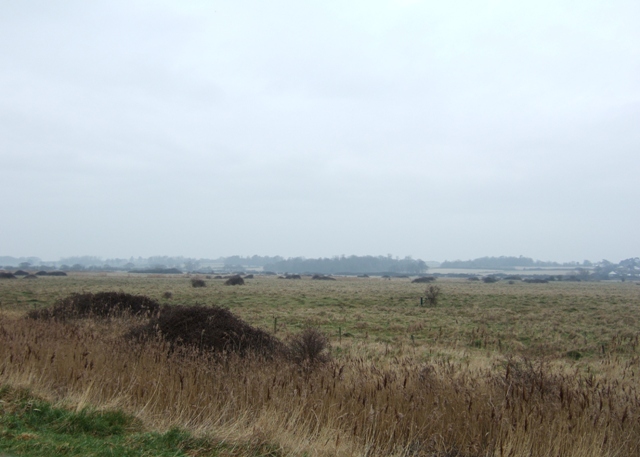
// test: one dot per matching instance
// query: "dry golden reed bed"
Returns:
(456, 403)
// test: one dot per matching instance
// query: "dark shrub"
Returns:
(473, 278)
(102, 304)
(309, 347)
(235, 280)
(424, 279)
(195, 282)
(41, 273)
(323, 278)
(6, 275)
(248, 277)
(56, 273)
(20, 273)
(208, 328)
(30, 277)
(167, 295)
(512, 278)
(292, 277)
(536, 280)
(489, 279)
(363, 276)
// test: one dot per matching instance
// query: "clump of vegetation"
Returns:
(536, 280)
(197, 282)
(250, 276)
(6, 275)
(208, 329)
(41, 273)
(424, 279)
(489, 279)
(167, 295)
(309, 347)
(290, 277)
(322, 278)
(235, 280)
(56, 273)
(431, 295)
(101, 304)
(21, 273)
(30, 277)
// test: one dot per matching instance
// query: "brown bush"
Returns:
(309, 347)
(208, 328)
(432, 294)
(196, 282)
(5, 275)
(168, 295)
(30, 277)
(235, 280)
(20, 273)
(102, 304)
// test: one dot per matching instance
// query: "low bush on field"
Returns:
(424, 279)
(196, 282)
(235, 280)
(56, 273)
(431, 295)
(101, 304)
(208, 328)
(5, 275)
(322, 278)
(309, 347)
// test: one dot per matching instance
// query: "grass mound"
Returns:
(5, 275)
(208, 328)
(101, 304)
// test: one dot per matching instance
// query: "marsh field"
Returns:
(502, 369)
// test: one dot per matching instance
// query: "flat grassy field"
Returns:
(493, 369)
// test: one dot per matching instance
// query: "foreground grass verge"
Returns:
(30, 426)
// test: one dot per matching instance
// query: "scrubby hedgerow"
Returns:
(101, 304)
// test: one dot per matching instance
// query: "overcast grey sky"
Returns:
(441, 130)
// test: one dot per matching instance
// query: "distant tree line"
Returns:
(504, 262)
(349, 265)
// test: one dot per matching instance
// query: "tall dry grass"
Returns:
(398, 407)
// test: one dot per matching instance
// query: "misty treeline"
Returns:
(350, 265)
(504, 262)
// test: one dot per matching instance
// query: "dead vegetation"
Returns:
(349, 407)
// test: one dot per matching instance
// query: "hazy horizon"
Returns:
(446, 131)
